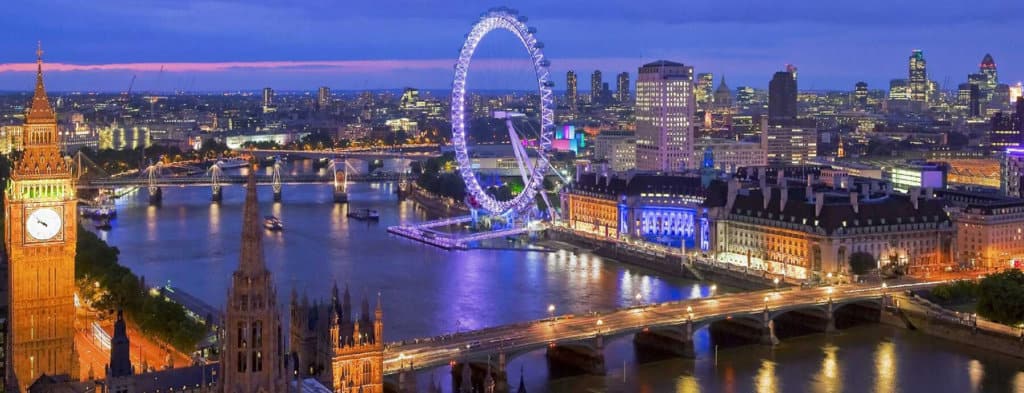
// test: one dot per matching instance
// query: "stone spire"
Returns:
(120, 362)
(252, 358)
(346, 306)
(250, 258)
(40, 112)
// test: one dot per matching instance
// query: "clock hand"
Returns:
(41, 222)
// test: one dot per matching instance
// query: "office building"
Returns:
(918, 78)
(924, 175)
(1011, 168)
(323, 97)
(1003, 133)
(664, 111)
(790, 142)
(860, 95)
(730, 155)
(595, 87)
(268, 100)
(782, 92)
(988, 229)
(705, 90)
(571, 96)
(622, 87)
(617, 148)
(990, 80)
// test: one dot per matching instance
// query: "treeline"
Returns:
(96, 261)
(999, 296)
(434, 180)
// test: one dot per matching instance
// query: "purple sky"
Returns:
(358, 44)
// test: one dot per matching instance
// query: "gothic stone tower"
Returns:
(252, 359)
(40, 234)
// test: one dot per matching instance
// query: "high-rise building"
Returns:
(268, 100)
(1018, 116)
(570, 89)
(705, 90)
(991, 76)
(664, 112)
(860, 95)
(595, 87)
(789, 142)
(1003, 133)
(975, 101)
(782, 92)
(899, 90)
(918, 78)
(40, 234)
(253, 357)
(323, 97)
(622, 87)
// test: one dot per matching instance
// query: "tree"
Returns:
(1001, 297)
(861, 262)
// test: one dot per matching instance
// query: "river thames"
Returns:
(193, 244)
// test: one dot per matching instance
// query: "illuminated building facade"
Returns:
(662, 209)
(990, 76)
(731, 155)
(10, 139)
(1004, 133)
(664, 112)
(989, 229)
(1012, 172)
(571, 95)
(704, 93)
(121, 137)
(792, 142)
(860, 95)
(917, 82)
(808, 231)
(268, 100)
(905, 177)
(618, 148)
(596, 87)
(40, 233)
(323, 97)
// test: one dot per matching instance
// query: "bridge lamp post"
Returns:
(829, 275)
(714, 288)
(776, 281)
(766, 303)
(829, 291)
(551, 312)
(689, 314)
(639, 299)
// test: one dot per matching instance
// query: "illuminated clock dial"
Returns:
(43, 224)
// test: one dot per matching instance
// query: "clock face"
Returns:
(43, 224)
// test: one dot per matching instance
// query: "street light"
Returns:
(829, 290)
(713, 289)
(689, 313)
(766, 303)
(639, 299)
(829, 275)
(776, 281)
(551, 311)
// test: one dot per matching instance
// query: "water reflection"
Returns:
(766, 380)
(885, 367)
(976, 372)
(828, 379)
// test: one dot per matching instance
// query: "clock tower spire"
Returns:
(40, 236)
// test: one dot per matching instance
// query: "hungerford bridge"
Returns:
(574, 343)
(156, 176)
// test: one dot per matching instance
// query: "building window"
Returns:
(241, 361)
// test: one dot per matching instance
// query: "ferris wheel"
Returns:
(533, 167)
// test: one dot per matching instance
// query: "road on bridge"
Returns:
(537, 334)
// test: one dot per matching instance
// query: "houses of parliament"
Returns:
(331, 348)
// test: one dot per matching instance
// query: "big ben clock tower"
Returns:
(40, 234)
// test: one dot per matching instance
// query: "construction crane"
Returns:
(128, 95)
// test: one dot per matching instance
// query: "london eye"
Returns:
(531, 171)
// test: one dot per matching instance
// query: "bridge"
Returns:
(410, 152)
(577, 340)
(159, 175)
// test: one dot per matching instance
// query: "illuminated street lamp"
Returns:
(714, 288)
(551, 311)
(829, 275)
(766, 303)
(639, 299)
(776, 281)
(599, 323)
(689, 313)
(829, 291)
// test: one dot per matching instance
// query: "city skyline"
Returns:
(356, 46)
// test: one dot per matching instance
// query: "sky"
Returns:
(224, 45)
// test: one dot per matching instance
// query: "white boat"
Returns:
(229, 163)
(272, 223)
